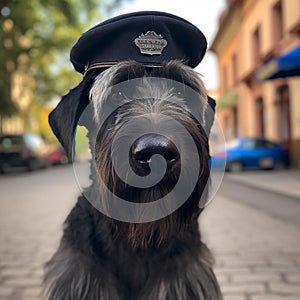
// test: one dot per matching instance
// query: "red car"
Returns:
(58, 157)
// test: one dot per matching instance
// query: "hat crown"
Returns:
(149, 37)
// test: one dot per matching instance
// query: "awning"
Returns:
(282, 66)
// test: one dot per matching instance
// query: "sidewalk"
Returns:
(257, 256)
(284, 182)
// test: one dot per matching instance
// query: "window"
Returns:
(260, 116)
(256, 45)
(34, 142)
(260, 144)
(270, 145)
(225, 78)
(248, 144)
(10, 141)
(265, 144)
(277, 20)
(235, 120)
(234, 67)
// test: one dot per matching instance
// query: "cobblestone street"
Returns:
(32, 209)
(257, 256)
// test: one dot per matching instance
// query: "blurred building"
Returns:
(22, 85)
(257, 97)
(21, 96)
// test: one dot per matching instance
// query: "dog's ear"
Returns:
(209, 115)
(63, 119)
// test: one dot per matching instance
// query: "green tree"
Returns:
(35, 39)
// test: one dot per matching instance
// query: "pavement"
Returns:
(284, 182)
(257, 256)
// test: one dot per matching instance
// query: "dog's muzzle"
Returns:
(145, 147)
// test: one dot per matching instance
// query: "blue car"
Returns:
(251, 153)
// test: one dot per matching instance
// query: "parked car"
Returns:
(255, 153)
(58, 156)
(23, 150)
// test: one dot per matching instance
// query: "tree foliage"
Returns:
(35, 39)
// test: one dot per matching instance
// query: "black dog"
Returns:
(108, 252)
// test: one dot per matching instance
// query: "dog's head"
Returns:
(149, 38)
(150, 116)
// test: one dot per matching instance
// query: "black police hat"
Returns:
(148, 37)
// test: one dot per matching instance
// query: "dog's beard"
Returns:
(154, 234)
(175, 224)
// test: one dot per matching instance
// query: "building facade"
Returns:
(250, 34)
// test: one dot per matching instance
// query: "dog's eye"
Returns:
(118, 96)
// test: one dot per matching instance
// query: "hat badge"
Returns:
(150, 43)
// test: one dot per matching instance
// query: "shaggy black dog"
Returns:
(159, 258)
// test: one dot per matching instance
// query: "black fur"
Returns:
(101, 258)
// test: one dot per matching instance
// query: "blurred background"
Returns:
(252, 69)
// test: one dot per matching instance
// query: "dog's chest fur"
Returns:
(179, 268)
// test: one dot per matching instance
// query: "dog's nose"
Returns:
(151, 144)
